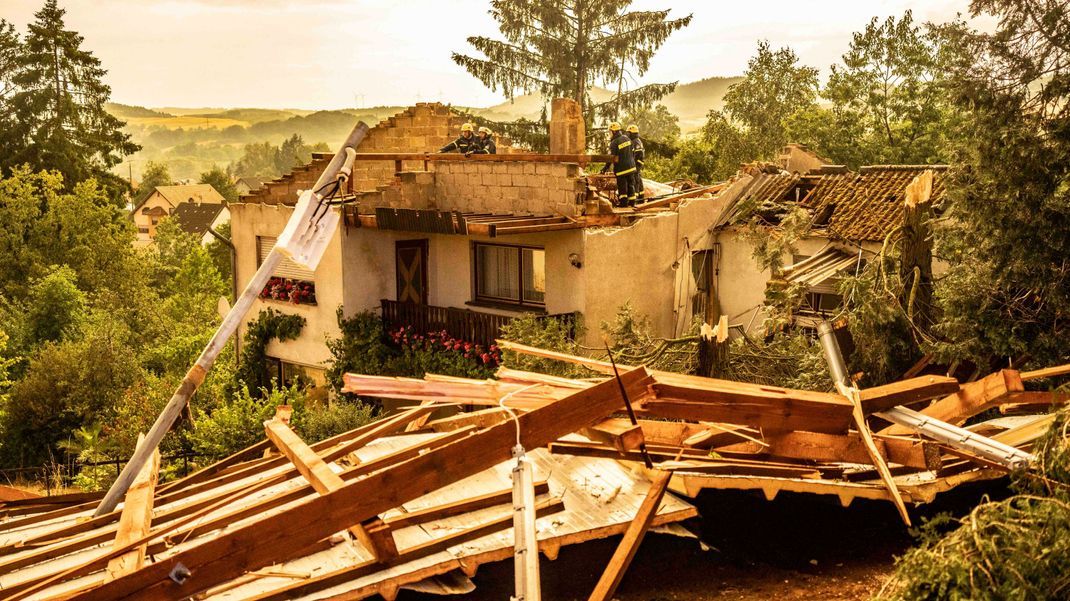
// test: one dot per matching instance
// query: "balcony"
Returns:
(464, 324)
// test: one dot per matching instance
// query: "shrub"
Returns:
(361, 349)
(319, 423)
(1014, 549)
(270, 325)
(238, 422)
(549, 334)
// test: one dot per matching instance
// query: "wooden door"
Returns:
(411, 267)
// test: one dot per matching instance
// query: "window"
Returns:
(287, 268)
(822, 303)
(510, 274)
(142, 230)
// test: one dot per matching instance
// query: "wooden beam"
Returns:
(839, 448)
(622, 557)
(446, 510)
(288, 532)
(874, 453)
(1047, 372)
(905, 392)
(325, 481)
(623, 436)
(972, 398)
(496, 230)
(136, 519)
(668, 200)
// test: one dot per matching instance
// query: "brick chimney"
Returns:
(568, 134)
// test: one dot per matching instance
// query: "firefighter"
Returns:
(640, 155)
(620, 146)
(465, 143)
(484, 143)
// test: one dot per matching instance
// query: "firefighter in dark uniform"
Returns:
(484, 143)
(640, 155)
(620, 146)
(465, 143)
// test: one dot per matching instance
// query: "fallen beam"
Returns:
(136, 519)
(277, 539)
(622, 557)
(971, 399)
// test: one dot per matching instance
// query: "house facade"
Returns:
(163, 201)
(467, 244)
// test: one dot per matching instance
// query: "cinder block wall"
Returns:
(425, 127)
(509, 187)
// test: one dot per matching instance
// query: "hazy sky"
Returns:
(344, 53)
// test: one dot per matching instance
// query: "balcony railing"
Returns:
(464, 324)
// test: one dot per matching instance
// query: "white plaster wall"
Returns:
(251, 220)
(636, 264)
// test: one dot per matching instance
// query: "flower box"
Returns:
(297, 292)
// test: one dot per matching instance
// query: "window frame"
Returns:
(478, 298)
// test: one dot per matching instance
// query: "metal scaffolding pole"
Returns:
(312, 222)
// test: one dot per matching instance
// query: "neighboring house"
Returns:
(200, 218)
(851, 216)
(163, 201)
(467, 245)
(246, 185)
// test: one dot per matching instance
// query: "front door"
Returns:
(411, 262)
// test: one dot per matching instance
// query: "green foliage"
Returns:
(888, 98)
(693, 158)
(55, 308)
(655, 124)
(1006, 231)
(153, 175)
(266, 161)
(564, 49)
(320, 422)
(238, 421)
(754, 122)
(549, 334)
(1012, 549)
(269, 325)
(222, 257)
(789, 359)
(57, 98)
(364, 348)
(361, 348)
(67, 385)
(218, 179)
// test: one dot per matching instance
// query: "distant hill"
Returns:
(191, 140)
(126, 111)
(690, 102)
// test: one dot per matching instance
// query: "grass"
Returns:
(187, 122)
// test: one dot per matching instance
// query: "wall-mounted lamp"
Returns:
(574, 260)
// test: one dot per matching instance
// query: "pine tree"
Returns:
(10, 48)
(563, 48)
(58, 105)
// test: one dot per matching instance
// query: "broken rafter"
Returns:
(255, 545)
(136, 519)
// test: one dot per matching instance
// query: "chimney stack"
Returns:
(568, 134)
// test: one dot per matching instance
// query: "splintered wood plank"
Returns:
(621, 434)
(849, 448)
(972, 398)
(633, 536)
(136, 519)
(325, 481)
(877, 459)
(288, 532)
(904, 392)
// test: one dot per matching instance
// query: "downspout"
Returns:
(233, 284)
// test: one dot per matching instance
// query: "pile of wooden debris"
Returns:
(411, 502)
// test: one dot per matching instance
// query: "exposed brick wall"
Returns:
(485, 187)
(425, 127)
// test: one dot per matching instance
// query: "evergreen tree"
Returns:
(563, 48)
(1006, 232)
(10, 48)
(754, 123)
(58, 104)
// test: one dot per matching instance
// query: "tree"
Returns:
(655, 124)
(562, 49)
(154, 174)
(1006, 231)
(754, 122)
(218, 179)
(257, 161)
(10, 49)
(60, 122)
(888, 98)
(294, 152)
